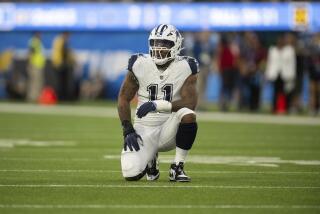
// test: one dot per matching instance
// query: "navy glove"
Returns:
(130, 137)
(145, 108)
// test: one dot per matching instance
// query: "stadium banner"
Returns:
(144, 16)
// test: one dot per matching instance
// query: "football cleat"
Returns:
(176, 173)
(153, 172)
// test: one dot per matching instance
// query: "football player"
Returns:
(165, 83)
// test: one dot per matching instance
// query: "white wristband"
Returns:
(163, 105)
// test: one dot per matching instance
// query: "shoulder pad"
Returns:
(193, 63)
(132, 60)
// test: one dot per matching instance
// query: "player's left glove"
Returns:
(157, 105)
(131, 138)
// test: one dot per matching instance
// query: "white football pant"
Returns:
(155, 139)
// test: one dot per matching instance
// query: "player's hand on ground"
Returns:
(145, 108)
(131, 141)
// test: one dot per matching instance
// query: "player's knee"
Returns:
(132, 166)
(189, 118)
(137, 177)
(186, 115)
(133, 174)
(187, 129)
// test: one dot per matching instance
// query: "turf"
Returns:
(86, 182)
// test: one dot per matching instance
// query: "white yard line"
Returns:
(60, 170)
(112, 112)
(152, 186)
(234, 160)
(52, 159)
(119, 171)
(150, 206)
(199, 159)
(11, 143)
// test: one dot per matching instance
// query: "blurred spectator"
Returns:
(5, 65)
(92, 88)
(227, 65)
(6, 58)
(63, 64)
(17, 77)
(203, 50)
(251, 64)
(281, 70)
(314, 75)
(296, 105)
(36, 63)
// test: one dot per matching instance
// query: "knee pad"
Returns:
(186, 135)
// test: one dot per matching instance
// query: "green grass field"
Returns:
(70, 164)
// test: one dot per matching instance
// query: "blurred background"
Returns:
(255, 56)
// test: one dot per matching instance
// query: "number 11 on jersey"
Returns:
(166, 90)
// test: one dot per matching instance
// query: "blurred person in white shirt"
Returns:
(281, 70)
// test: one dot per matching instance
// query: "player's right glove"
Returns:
(145, 108)
(131, 138)
(151, 106)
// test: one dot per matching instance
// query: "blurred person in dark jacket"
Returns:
(301, 67)
(251, 64)
(36, 64)
(227, 65)
(314, 75)
(63, 63)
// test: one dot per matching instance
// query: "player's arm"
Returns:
(127, 92)
(188, 93)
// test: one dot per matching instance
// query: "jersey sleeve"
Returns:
(193, 64)
(132, 60)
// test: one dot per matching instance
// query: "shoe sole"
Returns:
(153, 179)
(174, 180)
(182, 181)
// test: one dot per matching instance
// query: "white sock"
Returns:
(181, 155)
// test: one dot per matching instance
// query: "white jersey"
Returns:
(155, 84)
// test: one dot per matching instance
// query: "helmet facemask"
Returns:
(164, 43)
(161, 50)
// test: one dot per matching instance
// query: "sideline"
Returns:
(110, 112)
